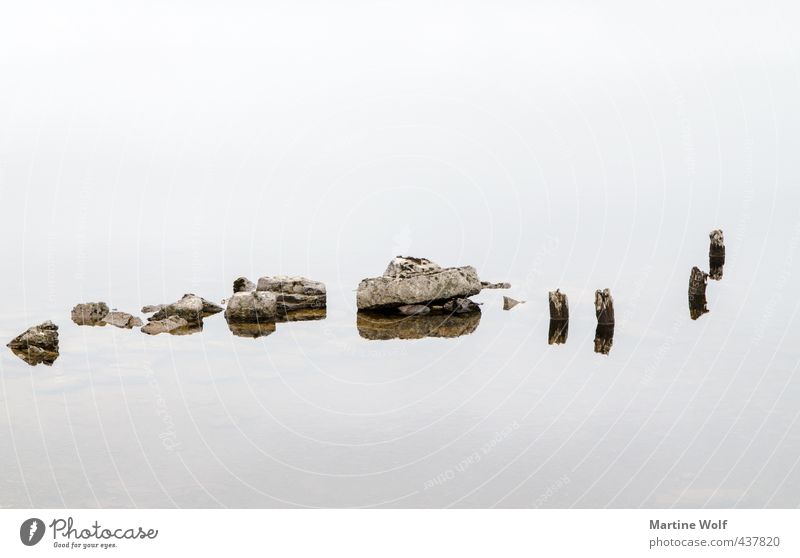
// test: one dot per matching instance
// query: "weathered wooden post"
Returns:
(716, 254)
(697, 293)
(559, 318)
(604, 307)
(559, 305)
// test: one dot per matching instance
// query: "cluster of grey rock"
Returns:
(252, 311)
(414, 298)
(428, 299)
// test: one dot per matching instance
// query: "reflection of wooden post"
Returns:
(603, 338)
(697, 293)
(557, 334)
(716, 254)
(559, 305)
(604, 307)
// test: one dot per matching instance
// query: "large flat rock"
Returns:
(417, 288)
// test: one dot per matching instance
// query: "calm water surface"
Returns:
(679, 413)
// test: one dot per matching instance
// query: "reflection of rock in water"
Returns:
(557, 335)
(189, 329)
(303, 315)
(252, 330)
(264, 328)
(697, 293)
(37, 345)
(35, 355)
(378, 326)
(603, 338)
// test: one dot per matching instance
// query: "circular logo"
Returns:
(31, 531)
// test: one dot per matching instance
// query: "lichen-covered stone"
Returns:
(37, 344)
(243, 285)
(460, 306)
(406, 266)
(252, 307)
(150, 308)
(89, 313)
(294, 293)
(422, 287)
(165, 325)
(191, 308)
(122, 319)
(487, 285)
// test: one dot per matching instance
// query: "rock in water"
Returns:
(414, 309)
(509, 303)
(559, 305)
(149, 309)
(243, 285)
(406, 266)
(487, 285)
(697, 293)
(166, 325)
(89, 313)
(122, 319)
(461, 306)
(604, 307)
(191, 308)
(294, 293)
(37, 345)
(252, 307)
(409, 287)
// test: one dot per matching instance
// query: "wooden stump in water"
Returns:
(716, 254)
(559, 305)
(604, 307)
(697, 293)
